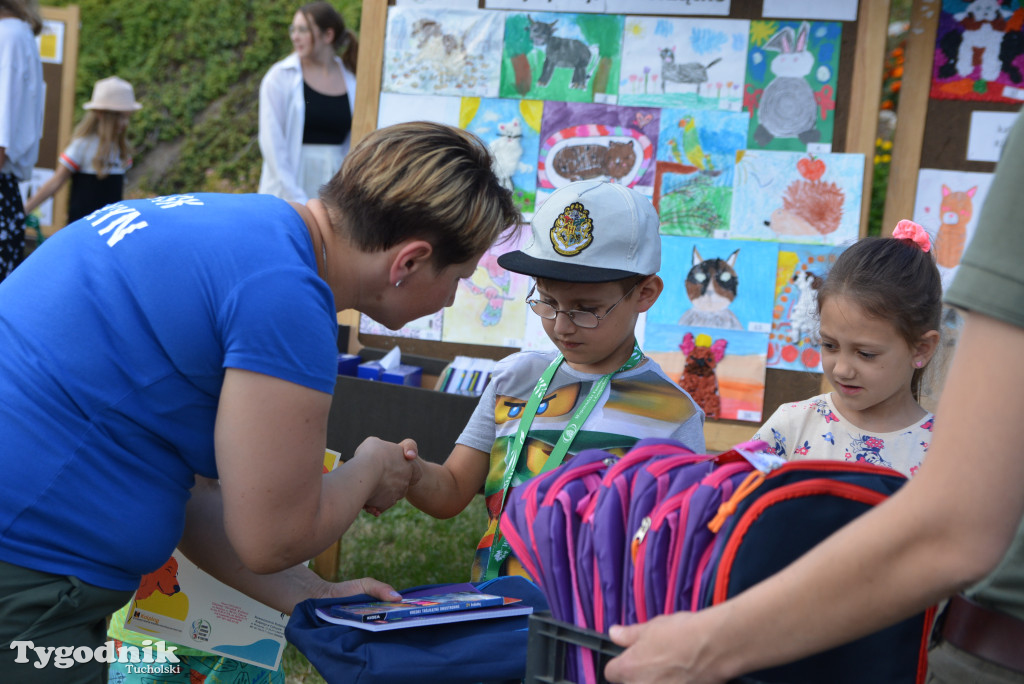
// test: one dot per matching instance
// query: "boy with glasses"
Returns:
(595, 254)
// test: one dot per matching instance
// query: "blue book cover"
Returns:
(377, 611)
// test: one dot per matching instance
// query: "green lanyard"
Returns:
(499, 545)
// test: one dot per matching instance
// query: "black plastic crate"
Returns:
(547, 650)
(548, 645)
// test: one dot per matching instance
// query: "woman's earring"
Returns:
(398, 284)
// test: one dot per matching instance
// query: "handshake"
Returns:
(398, 467)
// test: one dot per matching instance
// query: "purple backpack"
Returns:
(684, 521)
(540, 523)
(648, 473)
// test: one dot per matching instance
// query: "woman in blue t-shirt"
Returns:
(182, 351)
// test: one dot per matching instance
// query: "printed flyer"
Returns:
(185, 605)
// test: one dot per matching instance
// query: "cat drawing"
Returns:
(690, 72)
(803, 317)
(589, 160)
(506, 151)
(561, 52)
(711, 287)
(699, 378)
(955, 213)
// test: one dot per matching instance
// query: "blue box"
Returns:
(348, 364)
(370, 370)
(403, 375)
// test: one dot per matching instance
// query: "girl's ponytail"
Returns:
(349, 47)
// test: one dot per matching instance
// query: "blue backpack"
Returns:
(448, 653)
(794, 508)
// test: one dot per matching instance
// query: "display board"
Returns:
(58, 47)
(963, 86)
(692, 100)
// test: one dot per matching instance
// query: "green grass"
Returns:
(404, 548)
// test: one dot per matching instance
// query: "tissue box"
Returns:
(348, 364)
(370, 370)
(403, 375)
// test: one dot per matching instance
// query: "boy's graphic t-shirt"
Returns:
(638, 403)
(814, 429)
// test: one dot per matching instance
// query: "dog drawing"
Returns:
(160, 593)
(803, 317)
(985, 25)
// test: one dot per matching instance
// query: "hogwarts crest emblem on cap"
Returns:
(572, 231)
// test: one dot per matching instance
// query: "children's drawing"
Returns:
(794, 343)
(561, 56)
(979, 51)
(426, 328)
(794, 197)
(594, 141)
(511, 128)
(696, 63)
(699, 359)
(442, 52)
(947, 206)
(698, 378)
(694, 169)
(791, 84)
(490, 306)
(716, 283)
(395, 108)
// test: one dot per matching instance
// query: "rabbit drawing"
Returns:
(787, 108)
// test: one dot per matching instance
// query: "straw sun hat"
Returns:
(113, 94)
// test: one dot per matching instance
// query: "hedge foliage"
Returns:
(196, 66)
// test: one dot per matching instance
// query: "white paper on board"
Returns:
(830, 10)
(396, 108)
(582, 6)
(716, 8)
(987, 135)
(441, 4)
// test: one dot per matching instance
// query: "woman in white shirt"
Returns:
(306, 104)
(21, 120)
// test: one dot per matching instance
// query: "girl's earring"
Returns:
(398, 284)
(918, 364)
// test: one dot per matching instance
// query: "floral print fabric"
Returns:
(814, 429)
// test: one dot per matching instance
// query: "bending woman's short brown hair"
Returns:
(421, 180)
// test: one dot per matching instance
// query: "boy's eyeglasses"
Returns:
(582, 319)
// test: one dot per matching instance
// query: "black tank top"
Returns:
(328, 118)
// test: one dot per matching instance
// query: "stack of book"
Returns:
(377, 616)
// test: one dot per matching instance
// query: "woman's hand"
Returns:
(398, 469)
(662, 650)
(364, 585)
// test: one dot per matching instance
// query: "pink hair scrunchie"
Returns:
(908, 230)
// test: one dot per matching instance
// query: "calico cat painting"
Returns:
(586, 161)
(711, 287)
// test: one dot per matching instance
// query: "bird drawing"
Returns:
(692, 148)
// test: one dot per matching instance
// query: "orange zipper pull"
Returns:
(752, 482)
